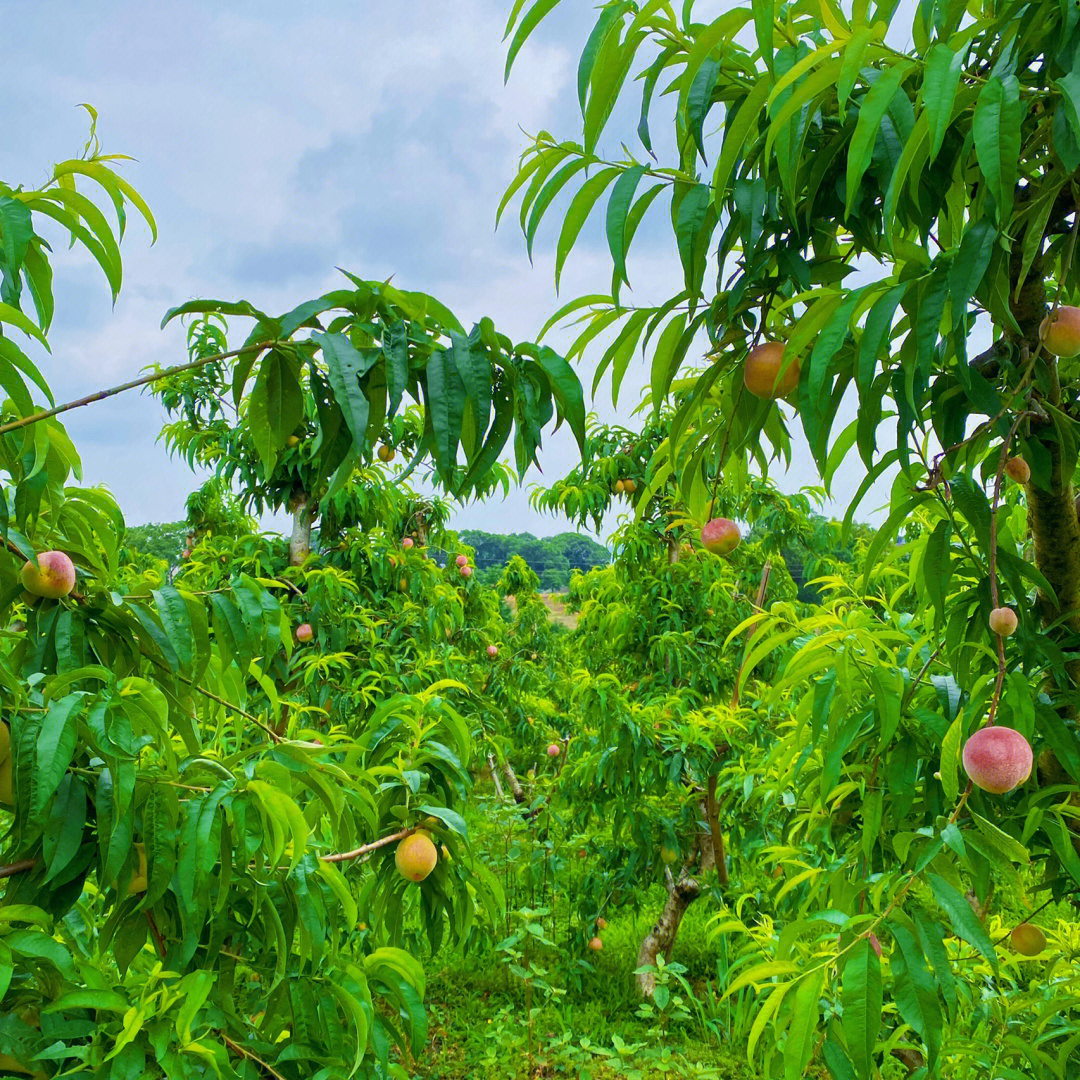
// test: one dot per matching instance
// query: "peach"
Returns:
(1018, 469)
(668, 856)
(52, 578)
(1060, 332)
(466, 571)
(553, 750)
(493, 651)
(997, 759)
(462, 560)
(1028, 940)
(601, 924)
(762, 374)
(1003, 621)
(415, 857)
(720, 536)
(7, 783)
(596, 944)
(304, 632)
(629, 487)
(407, 543)
(620, 487)
(387, 453)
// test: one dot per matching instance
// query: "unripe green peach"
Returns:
(997, 759)
(1003, 621)
(1028, 940)
(668, 856)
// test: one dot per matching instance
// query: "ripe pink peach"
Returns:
(720, 536)
(407, 543)
(553, 750)
(997, 759)
(52, 578)
(462, 560)
(304, 632)
(466, 571)
(493, 651)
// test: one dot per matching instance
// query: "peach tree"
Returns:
(202, 798)
(875, 211)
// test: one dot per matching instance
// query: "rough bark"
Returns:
(300, 541)
(512, 783)
(682, 892)
(1052, 516)
(495, 776)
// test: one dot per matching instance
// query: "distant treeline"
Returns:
(552, 558)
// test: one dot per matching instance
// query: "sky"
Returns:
(277, 141)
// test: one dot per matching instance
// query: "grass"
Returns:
(479, 1018)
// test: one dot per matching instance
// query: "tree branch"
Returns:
(100, 395)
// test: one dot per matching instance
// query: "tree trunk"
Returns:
(682, 892)
(661, 938)
(300, 541)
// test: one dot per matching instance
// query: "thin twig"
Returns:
(364, 849)
(161, 947)
(236, 1048)
(17, 867)
(100, 395)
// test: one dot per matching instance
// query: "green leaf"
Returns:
(969, 266)
(344, 366)
(102, 1000)
(938, 91)
(996, 129)
(853, 62)
(862, 997)
(445, 404)
(527, 25)
(802, 1030)
(876, 334)
(764, 14)
(567, 390)
(1007, 845)
(663, 362)
(964, 921)
(694, 224)
(736, 130)
(609, 16)
(547, 193)
(873, 107)
(915, 991)
(622, 195)
(1069, 88)
(56, 744)
(950, 758)
(577, 214)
